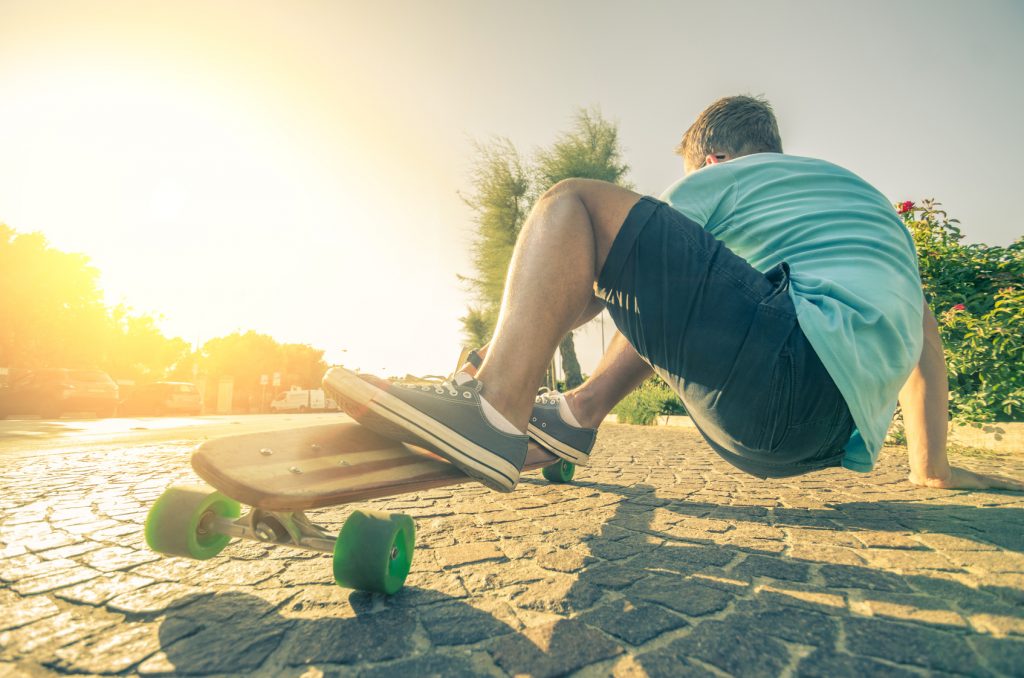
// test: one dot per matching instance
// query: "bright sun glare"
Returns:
(232, 187)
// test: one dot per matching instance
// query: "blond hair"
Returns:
(735, 126)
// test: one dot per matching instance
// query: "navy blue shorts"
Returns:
(725, 337)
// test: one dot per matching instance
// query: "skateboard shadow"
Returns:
(646, 574)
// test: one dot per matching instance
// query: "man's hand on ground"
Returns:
(962, 479)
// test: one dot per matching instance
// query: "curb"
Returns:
(997, 437)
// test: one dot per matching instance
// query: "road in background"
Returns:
(28, 437)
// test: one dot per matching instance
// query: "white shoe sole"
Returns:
(496, 472)
(557, 447)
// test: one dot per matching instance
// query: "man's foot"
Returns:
(553, 426)
(448, 418)
(552, 423)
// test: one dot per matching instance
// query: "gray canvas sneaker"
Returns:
(547, 426)
(445, 417)
(554, 433)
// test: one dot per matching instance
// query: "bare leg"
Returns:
(560, 252)
(620, 371)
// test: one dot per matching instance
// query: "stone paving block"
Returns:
(561, 594)
(53, 632)
(213, 650)
(54, 580)
(70, 551)
(1000, 654)
(112, 558)
(318, 602)
(365, 638)
(553, 649)
(424, 588)
(826, 554)
(904, 560)
(999, 624)
(433, 665)
(890, 540)
(231, 572)
(912, 644)
(175, 569)
(988, 561)
(661, 663)
(102, 588)
(158, 597)
(634, 622)
(12, 670)
(774, 568)
(564, 560)
(119, 648)
(115, 533)
(23, 611)
(842, 577)
(464, 554)
(791, 624)
(307, 571)
(90, 527)
(49, 540)
(685, 558)
(481, 577)
(466, 622)
(793, 594)
(728, 649)
(29, 566)
(913, 608)
(682, 595)
(829, 664)
(614, 575)
(10, 550)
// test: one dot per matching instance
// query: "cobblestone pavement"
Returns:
(660, 560)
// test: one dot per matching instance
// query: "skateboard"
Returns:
(280, 475)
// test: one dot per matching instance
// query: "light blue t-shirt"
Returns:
(854, 271)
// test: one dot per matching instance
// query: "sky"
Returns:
(294, 168)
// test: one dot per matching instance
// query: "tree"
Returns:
(247, 357)
(503, 193)
(46, 298)
(52, 315)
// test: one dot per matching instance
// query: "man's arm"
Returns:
(925, 402)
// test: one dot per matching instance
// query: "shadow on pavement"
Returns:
(648, 574)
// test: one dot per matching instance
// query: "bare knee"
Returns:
(571, 187)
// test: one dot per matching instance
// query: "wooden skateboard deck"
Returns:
(326, 465)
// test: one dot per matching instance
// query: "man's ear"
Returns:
(715, 159)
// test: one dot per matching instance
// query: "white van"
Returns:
(302, 400)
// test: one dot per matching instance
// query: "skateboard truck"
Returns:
(285, 528)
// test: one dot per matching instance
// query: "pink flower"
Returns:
(905, 207)
(958, 307)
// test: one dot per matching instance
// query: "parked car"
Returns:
(55, 391)
(163, 397)
(302, 400)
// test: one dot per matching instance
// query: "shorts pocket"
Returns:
(779, 407)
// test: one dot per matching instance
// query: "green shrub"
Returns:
(976, 292)
(652, 398)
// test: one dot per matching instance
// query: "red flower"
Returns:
(958, 307)
(905, 207)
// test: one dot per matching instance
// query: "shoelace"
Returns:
(549, 398)
(439, 386)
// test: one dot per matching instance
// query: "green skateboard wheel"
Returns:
(374, 551)
(560, 472)
(175, 526)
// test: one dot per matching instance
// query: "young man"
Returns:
(779, 297)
